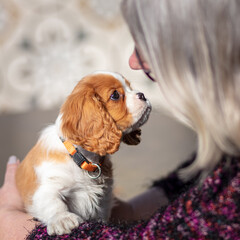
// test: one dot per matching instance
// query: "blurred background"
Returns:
(46, 47)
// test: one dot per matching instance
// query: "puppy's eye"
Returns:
(115, 95)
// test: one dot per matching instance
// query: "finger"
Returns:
(12, 166)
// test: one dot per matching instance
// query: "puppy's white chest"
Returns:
(70, 185)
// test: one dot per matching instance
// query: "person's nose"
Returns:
(133, 62)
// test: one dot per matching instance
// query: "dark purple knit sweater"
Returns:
(207, 211)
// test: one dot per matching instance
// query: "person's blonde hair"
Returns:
(193, 49)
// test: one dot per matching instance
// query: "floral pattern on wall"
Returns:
(46, 46)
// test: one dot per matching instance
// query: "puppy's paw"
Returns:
(62, 223)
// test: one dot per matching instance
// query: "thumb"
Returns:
(12, 166)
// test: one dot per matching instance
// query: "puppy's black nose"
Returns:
(141, 96)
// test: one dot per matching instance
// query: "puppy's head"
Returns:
(101, 111)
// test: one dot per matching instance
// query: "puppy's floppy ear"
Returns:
(132, 138)
(86, 122)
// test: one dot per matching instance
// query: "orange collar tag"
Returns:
(78, 158)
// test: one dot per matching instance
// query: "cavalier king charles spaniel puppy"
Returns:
(67, 178)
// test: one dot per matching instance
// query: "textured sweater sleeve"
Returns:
(211, 211)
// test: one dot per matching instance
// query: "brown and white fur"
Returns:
(54, 189)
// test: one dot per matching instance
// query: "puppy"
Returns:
(67, 176)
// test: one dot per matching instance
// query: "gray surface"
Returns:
(164, 145)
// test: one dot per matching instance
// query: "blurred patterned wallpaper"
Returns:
(46, 46)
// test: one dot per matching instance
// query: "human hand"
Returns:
(15, 223)
(10, 198)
